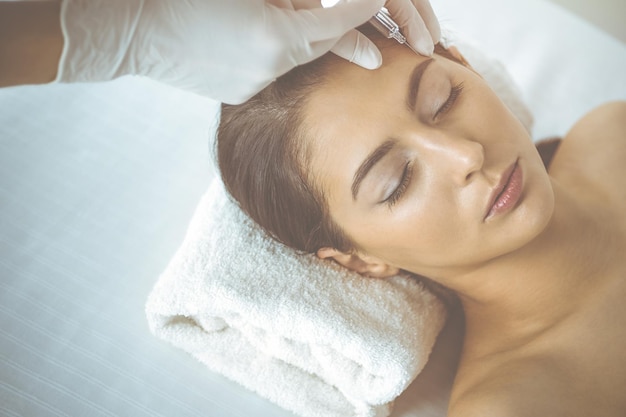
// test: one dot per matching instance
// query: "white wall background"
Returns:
(609, 15)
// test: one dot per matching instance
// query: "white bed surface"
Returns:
(98, 183)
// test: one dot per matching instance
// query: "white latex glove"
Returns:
(227, 50)
(417, 22)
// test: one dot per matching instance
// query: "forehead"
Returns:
(346, 84)
(352, 111)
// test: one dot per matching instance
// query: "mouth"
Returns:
(507, 193)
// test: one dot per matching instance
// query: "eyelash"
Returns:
(401, 188)
(397, 194)
(455, 92)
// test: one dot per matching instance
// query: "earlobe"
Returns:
(364, 265)
(381, 270)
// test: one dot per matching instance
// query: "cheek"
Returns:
(425, 232)
(539, 201)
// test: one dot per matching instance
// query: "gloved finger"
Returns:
(353, 46)
(306, 4)
(283, 4)
(318, 24)
(427, 13)
(412, 26)
(356, 47)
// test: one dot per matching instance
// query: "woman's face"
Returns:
(423, 166)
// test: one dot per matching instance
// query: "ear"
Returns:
(363, 264)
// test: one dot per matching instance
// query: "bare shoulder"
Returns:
(593, 152)
(604, 125)
(600, 133)
(483, 402)
(521, 388)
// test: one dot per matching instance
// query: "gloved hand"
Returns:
(417, 22)
(415, 17)
(227, 50)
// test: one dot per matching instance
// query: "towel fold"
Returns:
(310, 336)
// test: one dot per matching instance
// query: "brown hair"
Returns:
(261, 155)
(261, 150)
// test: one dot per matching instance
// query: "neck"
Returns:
(522, 294)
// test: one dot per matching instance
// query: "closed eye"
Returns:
(455, 92)
(400, 190)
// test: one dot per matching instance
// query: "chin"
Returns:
(530, 217)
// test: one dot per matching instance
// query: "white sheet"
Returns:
(98, 183)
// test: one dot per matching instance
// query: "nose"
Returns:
(459, 157)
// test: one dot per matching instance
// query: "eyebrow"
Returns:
(382, 150)
(369, 162)
(414, 83)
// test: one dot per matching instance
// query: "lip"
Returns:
(507, 193)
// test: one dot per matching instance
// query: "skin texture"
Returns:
(542, 285)
(458, 159)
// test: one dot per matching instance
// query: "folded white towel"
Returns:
(311, 337)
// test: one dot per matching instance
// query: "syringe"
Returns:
(383, 22)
